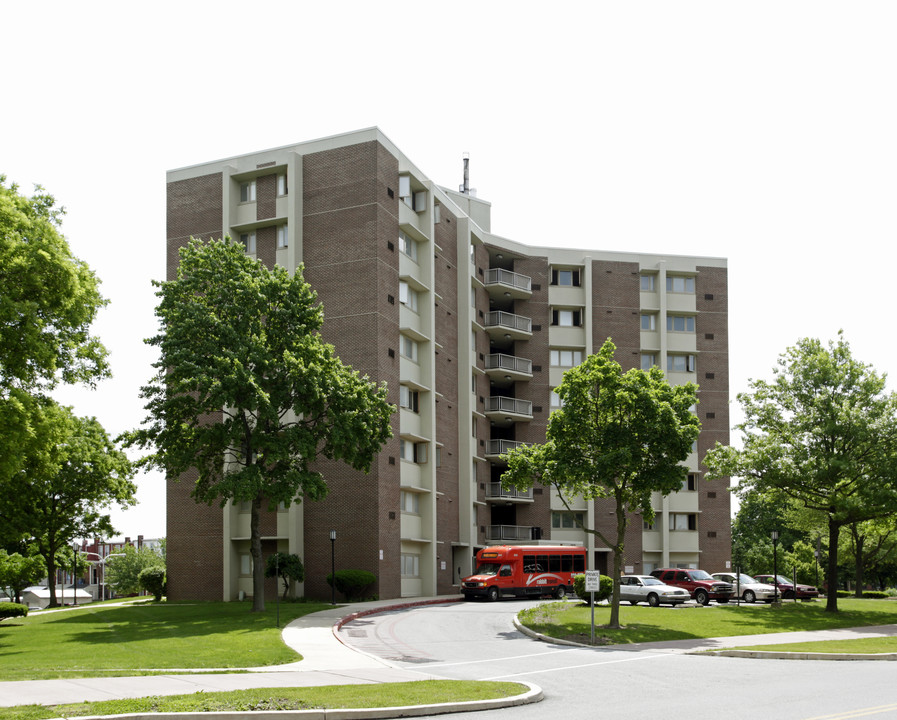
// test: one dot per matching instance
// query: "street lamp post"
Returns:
(333, 567)
(74, 573)
(101, 561)
(775, 565)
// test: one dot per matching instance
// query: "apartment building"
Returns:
(471, 331)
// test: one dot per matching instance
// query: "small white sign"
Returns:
(629, 569)
(593, 581)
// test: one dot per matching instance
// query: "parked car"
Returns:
(700, 584)
(645, 588)
(786, 587)
(751, 589)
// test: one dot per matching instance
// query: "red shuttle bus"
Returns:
(524, 570)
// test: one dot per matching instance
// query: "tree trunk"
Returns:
(858, 543)
(258, 565)
(831, 572)
(618, 564)
(51, 578)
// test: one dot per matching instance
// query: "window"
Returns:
(566, 318)
(565, 278)
(248, 242)
(680, 284)
(566, 358)
(683, 521)
(473, 253)
(408, 398)
(245, 564)
(417, 201)
(566, 520)
(649, 321)
(408, 296)
(557, 402)
(247, 191)
(649, 360)
(283, 238)
(408, 348)
(282, 188)
(680, 363)
(648, 283)
(407, 246)
(680, 323)
(648, 526)
(690, 483)
(410, 502)
(410, 565)
(413, 452)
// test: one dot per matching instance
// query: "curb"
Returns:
(532, 695)
(781, 655)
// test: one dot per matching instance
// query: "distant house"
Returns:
(38, 596)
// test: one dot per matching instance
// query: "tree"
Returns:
(122, 573)
(18, 572)
(822, 433)
(72, 473)
(247, 393)
(288, 567)
(617, 435)
(152, 579)
(48, 301)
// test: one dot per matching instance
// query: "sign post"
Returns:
(593, 585)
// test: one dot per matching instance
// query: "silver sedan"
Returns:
(750, 588)
(645, 588)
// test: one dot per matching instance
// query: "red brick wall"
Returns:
(194, 531)
(712, 329)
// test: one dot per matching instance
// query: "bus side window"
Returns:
(579, 563)
(566, 563)
(505, 571)
(554, 563)
(529, 563)
(541, 563)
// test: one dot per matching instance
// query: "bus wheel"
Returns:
(560, 592)
(492, 594)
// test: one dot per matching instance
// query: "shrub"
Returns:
(152, 579)
(11, 610)
(579, 587)
(352, 583)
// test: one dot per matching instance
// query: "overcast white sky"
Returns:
(762, 132)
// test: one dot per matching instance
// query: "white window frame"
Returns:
(408, 296)
(648, 360)
(679, 522)
(649, 320)
(283, 187)
(283, 236)
(409, 398)
(565, 357)
(247, 191)
(556, 402)
(410, 565)
(681, 284)
(247, 239)
(407, 246)
(409, 502)
(648, 283)
(566, 519)
(680, 323)
(685, 363)
(408, 348)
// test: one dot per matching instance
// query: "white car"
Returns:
(645, 588)
(749, 588)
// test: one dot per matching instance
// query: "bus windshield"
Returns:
(488, 569)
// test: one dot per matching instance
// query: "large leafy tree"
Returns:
(18, 572)
(822, 433)
(617, 435)
(247, 392)
(122, 572)
(48, 300)
(67, 480)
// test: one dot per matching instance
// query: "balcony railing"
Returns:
(509, 363)
(507, 405)
(500, 447)
(512, 532)
(499, 318)
(495, 491)
(498, 276)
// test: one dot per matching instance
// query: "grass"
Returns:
(572, 621)
(97, 640)
(423, 692)
(869, 646)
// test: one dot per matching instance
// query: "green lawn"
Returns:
(860, 645)
(424, 692)
(572, 621)
(127, 640)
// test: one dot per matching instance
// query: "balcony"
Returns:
(506, 325)
(504, 283)
(496, 448)
(503, 411)
(512, 532)
(496, 493)
(506, 369)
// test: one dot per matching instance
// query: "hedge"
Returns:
(11, 610)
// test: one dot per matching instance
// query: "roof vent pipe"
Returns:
(465, 186)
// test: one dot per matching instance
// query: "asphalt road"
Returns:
(478, 641)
